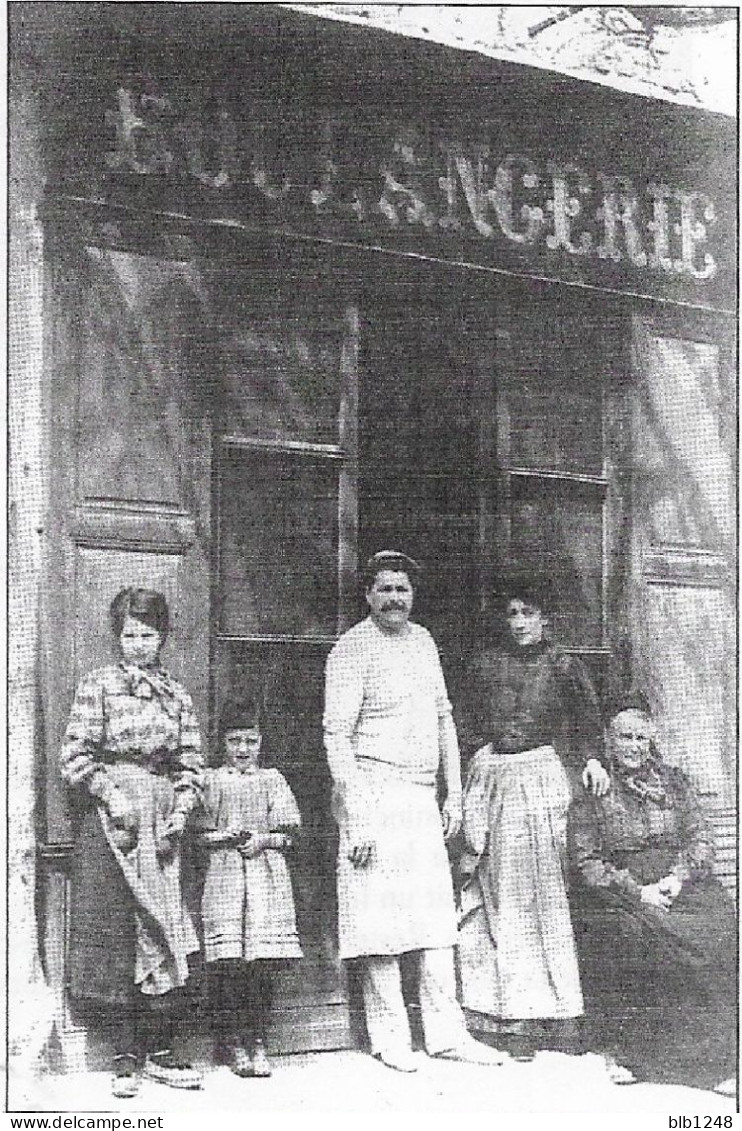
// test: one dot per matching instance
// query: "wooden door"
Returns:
(425, 441)
(684, 561)
(129, 444)
(131, 453)
(285, 509)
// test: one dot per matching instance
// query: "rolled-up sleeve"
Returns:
(584, 711)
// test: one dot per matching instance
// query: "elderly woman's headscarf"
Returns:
(645, 782)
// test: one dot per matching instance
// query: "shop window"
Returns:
(550, 457)
(419, 441)
(557, 526)
(685, 471)
(554, 409)
(278, 567)
(286, 460)
(280, 361)
(285, 573)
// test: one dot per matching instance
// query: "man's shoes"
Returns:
(471, 1052)
(619, 1073)
(162, 1067)
(261, 1066)
(125, 1083)
(246, 1064)
(521, 1047)
(727, 1088)
(403, 1060)
(240, 1061)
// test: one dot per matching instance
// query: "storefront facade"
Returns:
(310, 291)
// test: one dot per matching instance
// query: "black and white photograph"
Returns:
(372, 561)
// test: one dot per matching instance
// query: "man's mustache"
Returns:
(396, 605)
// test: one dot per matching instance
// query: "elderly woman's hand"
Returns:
(655, 895)
(595, 778)
(670, 886)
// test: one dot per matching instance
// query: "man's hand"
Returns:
(654, 896)
(595, 778)
(360, 850)
(451, 815)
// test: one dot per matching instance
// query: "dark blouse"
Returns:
(522, 697)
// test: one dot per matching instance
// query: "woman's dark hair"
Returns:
(239, 713)
(533, 589)
(145, 605)
(392, 560)
(631, 699)
(236, 713)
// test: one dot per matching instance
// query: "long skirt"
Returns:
(516, 947)
(660, 987)
(130, 931)
(403, 899)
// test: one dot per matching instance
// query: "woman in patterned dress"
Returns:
(250, 818)
(132, 757)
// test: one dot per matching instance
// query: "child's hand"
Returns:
(255, 844)
(234, 835)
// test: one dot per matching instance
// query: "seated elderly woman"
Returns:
(655, 931)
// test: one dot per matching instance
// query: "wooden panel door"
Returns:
(285, 579)
(131, 453)
(684, 545)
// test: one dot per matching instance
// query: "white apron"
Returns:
(516, 946)
(385, 699)
(403, 899)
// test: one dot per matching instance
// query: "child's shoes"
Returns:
(261, 1066)
(162, 1067)
(125, 1084)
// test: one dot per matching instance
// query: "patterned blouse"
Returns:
(124, 713)
(625, 840)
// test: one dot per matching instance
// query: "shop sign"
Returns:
(440, 189)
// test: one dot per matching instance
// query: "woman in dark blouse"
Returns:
(656, 933)
(529, 722)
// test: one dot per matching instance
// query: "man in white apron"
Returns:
(388, 730)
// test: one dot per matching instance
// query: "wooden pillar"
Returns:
(29, 1002)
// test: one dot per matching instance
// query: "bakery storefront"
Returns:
(309, 291)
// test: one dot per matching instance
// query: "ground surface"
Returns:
(353, 1081)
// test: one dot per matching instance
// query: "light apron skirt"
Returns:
(516, 946)
(403, 899)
